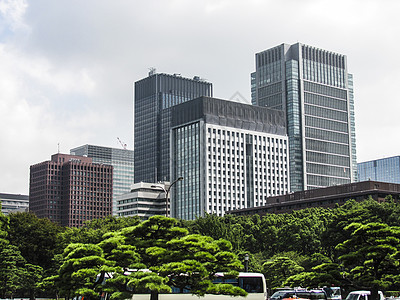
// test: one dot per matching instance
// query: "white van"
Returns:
(363, 295)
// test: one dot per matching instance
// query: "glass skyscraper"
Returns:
(314, 89)
(384, 169)
(120, 159)
(154, 97)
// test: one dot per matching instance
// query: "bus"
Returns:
(253, 283)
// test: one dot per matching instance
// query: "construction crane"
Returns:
(122, 144)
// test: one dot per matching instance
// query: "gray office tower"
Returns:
(314, 89)
(120, 159)
(154, 97)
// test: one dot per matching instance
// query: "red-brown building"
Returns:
(70, 190)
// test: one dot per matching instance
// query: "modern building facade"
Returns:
(11, 203)
(328, 197)
(231, 156)
(314, 89)
(384, 169)
(120, 159)
(70, 190)
(154, 97)
(144, 200)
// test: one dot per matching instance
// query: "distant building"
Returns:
(11, 203)
(324, 197)
(154, 97)
(384, 169)
(231, 155)
(70, 189)
(315, 91)
(120, 159)
(144, 200)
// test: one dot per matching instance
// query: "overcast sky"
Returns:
(67, 68)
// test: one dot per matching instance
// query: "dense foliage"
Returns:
(355, 246)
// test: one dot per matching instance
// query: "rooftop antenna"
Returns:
(152, 71)
(58, 147)
(122, 144)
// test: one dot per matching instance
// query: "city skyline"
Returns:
(66, 83)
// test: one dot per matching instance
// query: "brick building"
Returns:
(70, 190)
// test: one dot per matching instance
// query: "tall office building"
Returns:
(384, 169)
(154, 97)
(231, 155)
(120, 159)
(315, 90)
(70, 190)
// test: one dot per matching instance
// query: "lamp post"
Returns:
(166, 191)
(246, 262)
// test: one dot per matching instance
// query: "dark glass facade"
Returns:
(154, 98)
(313, 88)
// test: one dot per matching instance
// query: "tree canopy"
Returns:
(153, 255)
(353, 246)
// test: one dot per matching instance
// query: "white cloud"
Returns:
(31, 90)
(13, 12)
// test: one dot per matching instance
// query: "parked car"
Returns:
(363, 295)
(299, 294)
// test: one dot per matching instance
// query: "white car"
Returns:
(363, 295)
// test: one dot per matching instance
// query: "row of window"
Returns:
(326, 135)
(325, 113)
(323, 73)
(326, 124)
(314, 181)
(325, 90)
(330, 159)
(270, 89)
(325, 101)
(327, 147)
(328, 170)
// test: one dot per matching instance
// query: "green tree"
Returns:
(364, 212)
(301, 231)
(170, 251)
(11, 270)
(82, 264)
(93, 231)
(173, 256)
(32, 276)
(324, 274)
(371, 256)
(36, 239)
(278, 270)
(4, 226)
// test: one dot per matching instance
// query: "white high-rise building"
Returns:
(231, 156)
